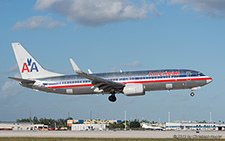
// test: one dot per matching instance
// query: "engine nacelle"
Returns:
(134, 89)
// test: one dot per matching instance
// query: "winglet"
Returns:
(89, 71)
(75, 67)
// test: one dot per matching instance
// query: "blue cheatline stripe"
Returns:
(120, 79)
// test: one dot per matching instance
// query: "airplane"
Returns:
(130, 83)
(147, 127)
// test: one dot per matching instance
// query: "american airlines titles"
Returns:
(164, 73)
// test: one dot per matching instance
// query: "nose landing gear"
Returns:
(192, 94)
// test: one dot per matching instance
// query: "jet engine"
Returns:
(134, 89)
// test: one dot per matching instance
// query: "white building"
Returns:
(190, 125)
(85, 127)
(70, 122)
(22, 126)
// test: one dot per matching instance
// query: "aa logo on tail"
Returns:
(29, 66)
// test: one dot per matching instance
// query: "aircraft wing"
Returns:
(103, 84)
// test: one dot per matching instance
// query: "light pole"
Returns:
(168, 116)
(210, 117)
(125, 112)
(90, 119)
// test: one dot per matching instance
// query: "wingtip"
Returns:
(75, 67)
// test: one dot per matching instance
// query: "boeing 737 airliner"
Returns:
(131, 83)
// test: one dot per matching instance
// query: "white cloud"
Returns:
(213, 8)
(37, 22)
(12, 69)
(133, 64)
(98, 12)
(10, 88)
(44, 4)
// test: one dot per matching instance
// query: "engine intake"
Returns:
(134, 90)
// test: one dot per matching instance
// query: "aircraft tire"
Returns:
(192, 94)
(112, 98)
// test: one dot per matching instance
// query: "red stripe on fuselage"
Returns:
(147, 81)
(68, 86)
(169, 80)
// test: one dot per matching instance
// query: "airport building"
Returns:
(22, 126)
(192, 125)
(70, 122)
(84, 125)
(87, 127)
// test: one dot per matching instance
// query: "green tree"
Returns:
(120, 125)
(116, 125)
(23, 120)
(47, 121)
(134, 124)
(145, 121)
(35, 120)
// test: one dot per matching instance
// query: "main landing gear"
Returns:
(192, 94)
(112, 97)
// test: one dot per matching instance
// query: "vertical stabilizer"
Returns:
(29, 68)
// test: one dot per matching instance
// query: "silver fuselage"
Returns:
(152, 80)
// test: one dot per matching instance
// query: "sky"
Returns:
(109, 36)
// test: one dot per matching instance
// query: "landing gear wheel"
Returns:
(192, 94)
(112, 98)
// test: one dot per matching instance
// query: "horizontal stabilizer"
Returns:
(22, 80)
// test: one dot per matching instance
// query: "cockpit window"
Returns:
(200, 74)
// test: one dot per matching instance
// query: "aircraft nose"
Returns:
(209, 80)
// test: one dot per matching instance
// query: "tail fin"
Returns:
(28, 66)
